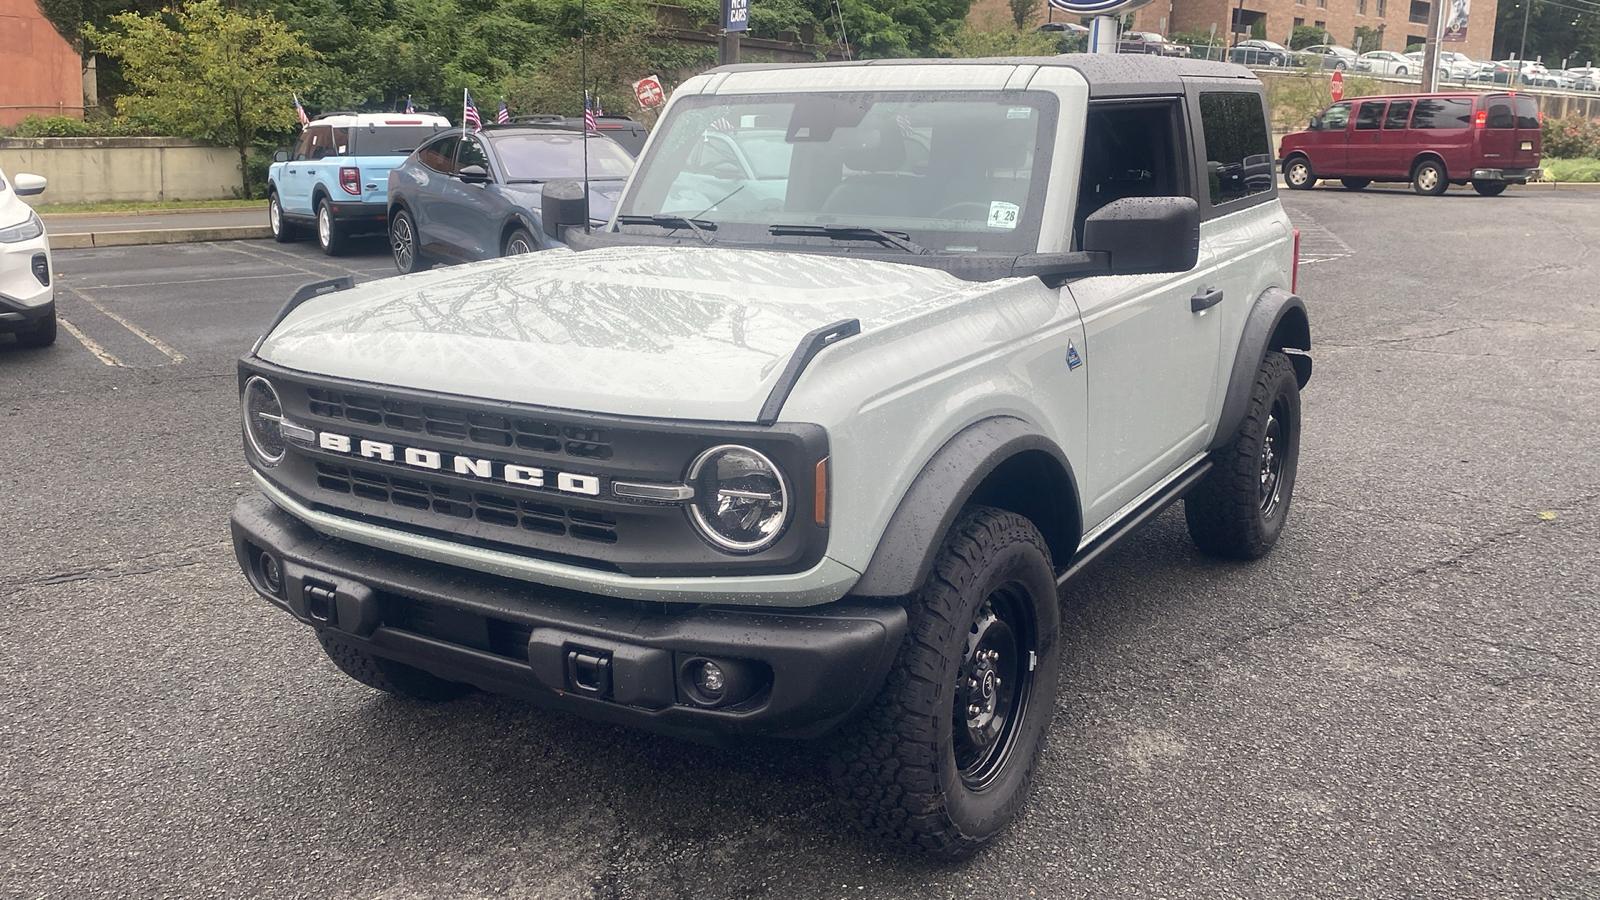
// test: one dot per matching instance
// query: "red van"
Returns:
(1431, 140)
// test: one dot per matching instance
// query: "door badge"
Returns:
(1073, 359)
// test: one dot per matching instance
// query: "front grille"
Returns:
(457, 502)
(456, 626)
(475, 427)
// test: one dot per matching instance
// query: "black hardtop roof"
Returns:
(1108, 74)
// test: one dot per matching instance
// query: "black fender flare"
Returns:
(1277, 321)
(929, 507)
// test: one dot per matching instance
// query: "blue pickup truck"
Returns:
(334, 181)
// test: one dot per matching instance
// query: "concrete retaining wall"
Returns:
(96, 170)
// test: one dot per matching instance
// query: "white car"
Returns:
(1386, 62)
(1453, 66)
(27, 297)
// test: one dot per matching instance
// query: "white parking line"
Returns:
(138, 332)
(99, 352)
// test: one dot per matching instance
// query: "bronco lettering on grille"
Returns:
(472, 466)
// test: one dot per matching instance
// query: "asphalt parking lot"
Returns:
(1401, 701)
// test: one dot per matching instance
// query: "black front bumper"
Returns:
(16, 317)
(615, 660)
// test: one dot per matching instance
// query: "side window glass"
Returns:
(440, 155)
(471, 155)
(1527, 111)
(1399, 112)
(1370, 116)
(321, 142)
(302, 149)
(1500, 113)
(1238, 151)
(1442, 114)
(340, 141)
(1336, 118)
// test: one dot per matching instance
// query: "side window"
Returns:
(302, 149)
(471, 155)
(1238, 151)
(1370, 116)
(440, 155)
(1527, 111)
(1500, 115)
(321, 142)
(1337, 117)
(1399, 112)
(1129, 150)
(1442, 114)
(340, 142)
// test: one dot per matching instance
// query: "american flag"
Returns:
(504, 115)
(588, 114)
(409, 107)
(469, 112)
(723, 125)
(597, 110)
(300, 111)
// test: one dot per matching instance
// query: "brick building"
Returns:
(43, 75)
(1400, 22)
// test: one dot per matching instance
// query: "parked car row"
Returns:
(1431, 140)
(1453, 65)
(441, 193)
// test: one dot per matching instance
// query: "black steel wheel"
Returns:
(282, 230)
(387, 675)
(944, 757)
(404, 243)
(1428, 178)
(1238, 510)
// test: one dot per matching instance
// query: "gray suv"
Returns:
(807, 458)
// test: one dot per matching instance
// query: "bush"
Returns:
(68, 126)
(1305, 36)
(1574, 137)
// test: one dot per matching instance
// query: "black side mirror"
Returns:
(474, 175)
(1315, 123)
(1146, 235)
(280, 156)
(563, 204)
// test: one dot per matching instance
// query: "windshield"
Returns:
(542, 157)
(955, 171)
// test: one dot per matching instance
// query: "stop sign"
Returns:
(1337, 86)
(649, 92)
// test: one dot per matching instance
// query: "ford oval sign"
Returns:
(1096, 7)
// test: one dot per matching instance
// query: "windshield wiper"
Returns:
(701, 227)
(853, 233)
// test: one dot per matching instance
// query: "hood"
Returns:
(668, 332)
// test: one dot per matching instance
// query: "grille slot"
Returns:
(456, 626)
(447, 500)
(467, 426)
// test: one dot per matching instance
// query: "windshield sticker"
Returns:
(1019, 112)
(1002, 214)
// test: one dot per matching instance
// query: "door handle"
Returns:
(1205, 299)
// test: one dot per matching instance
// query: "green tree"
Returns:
(1023, 11)
(1366, 39)
(207, 71)
(996, 39)
(1304, 36)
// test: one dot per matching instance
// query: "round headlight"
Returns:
(263, 420)
(741, 501)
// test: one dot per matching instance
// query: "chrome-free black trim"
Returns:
(810, 345)
(509, 636)
(305, 292)
(605, 532)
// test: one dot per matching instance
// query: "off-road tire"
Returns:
(42, 334)
(1298, 174)
(1238, 510)
(387, 675)
(519, 242)
(283, 231)
(1355, 184)
(1489, 188)
(900, 764)
(331, 236)
(1428, 178)
(405, 244)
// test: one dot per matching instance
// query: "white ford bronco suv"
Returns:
(806, 440)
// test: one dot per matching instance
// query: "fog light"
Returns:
(709, 679)
(271, 574)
